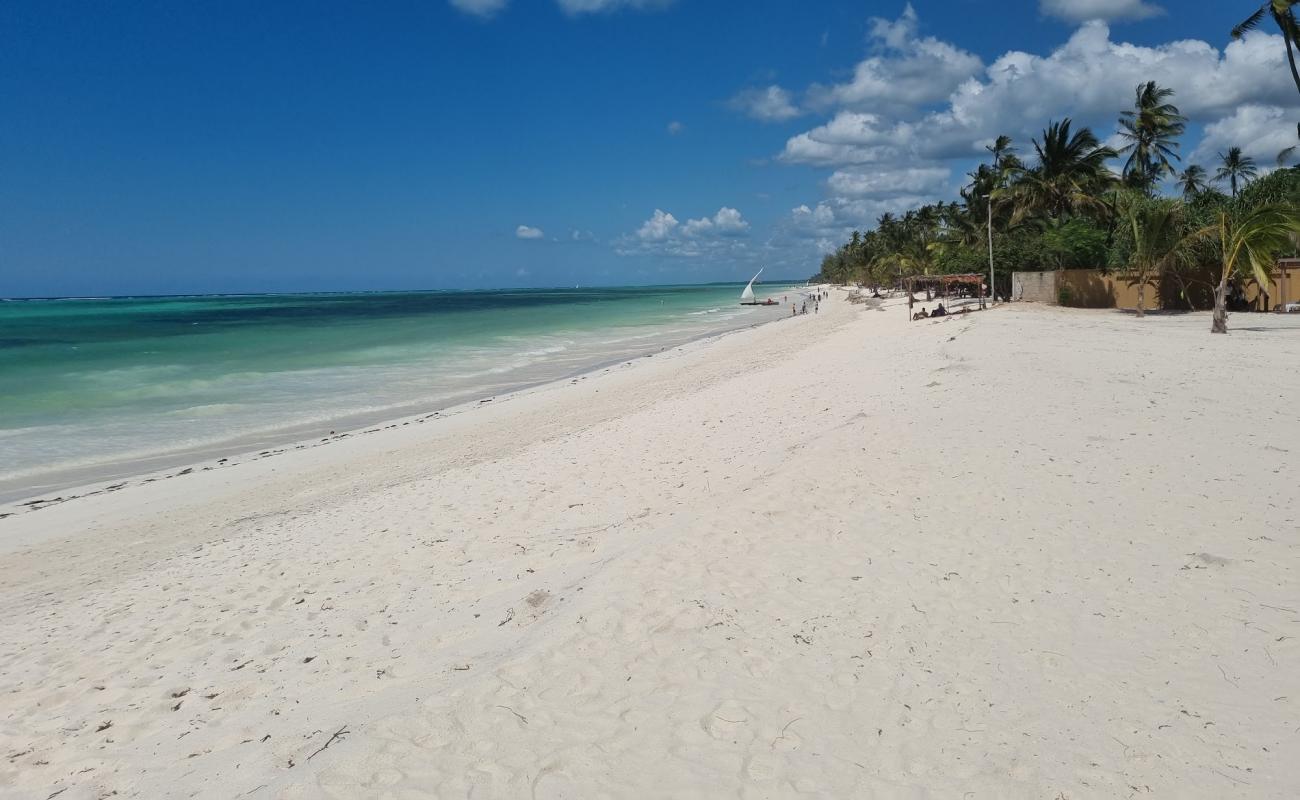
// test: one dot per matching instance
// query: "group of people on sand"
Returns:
(816, 299)
(939, 311)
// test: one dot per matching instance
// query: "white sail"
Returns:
(747, 296)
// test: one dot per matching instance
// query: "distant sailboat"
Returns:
(747, 296)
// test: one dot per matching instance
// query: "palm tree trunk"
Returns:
(1182, 289)
(1220, 324)
(1142, 295)
(1290, 56)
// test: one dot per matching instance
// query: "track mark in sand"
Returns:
(338, 735)
(783, 730)
(520, 717)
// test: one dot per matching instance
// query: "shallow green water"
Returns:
(108, 381)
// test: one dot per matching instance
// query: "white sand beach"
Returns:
(1023, 553)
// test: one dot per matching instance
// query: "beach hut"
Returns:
(945, 286)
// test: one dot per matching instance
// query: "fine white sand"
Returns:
(1022, 553)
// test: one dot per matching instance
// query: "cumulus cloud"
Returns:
(528, 232)
(808, 232)
(664, 234)
(1260, 131)
(487, 9)
(1090, 77)
(480, 8)
(768, 103)
(851, 137)
(727, 222)
(835, 217)
(675, 128)
(906, 70)
(885, 180)
(811, 218)
(599, 6)
(659, 227)
(1086, 10)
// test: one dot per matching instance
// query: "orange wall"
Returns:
(1091, 288)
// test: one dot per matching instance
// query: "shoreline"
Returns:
(72, 483)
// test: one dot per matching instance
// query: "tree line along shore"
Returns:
(1063, 207)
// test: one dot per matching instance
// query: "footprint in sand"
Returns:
(761, 767)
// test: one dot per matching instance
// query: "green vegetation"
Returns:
(1247, 240)
(1065, 208)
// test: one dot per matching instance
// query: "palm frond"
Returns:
(1250, 23)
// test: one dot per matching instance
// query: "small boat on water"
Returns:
(747, 296)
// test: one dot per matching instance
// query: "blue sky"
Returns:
(188, 147)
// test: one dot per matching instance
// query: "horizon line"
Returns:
(29, 298)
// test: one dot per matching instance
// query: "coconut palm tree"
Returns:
(1004, 154)
(1235, 166)
(1248, 242)
(1000, 145)
(1193, 180)
(1069, 178)
(1283, 14)
(1151, 130)
(1157, 243)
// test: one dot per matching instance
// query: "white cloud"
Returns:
(487, 9)
(659, 227)
(907, 70)
(599, 6)
(836, 217)
(851, 137)
(769, 104)
(727, 222)
(809, 232)
(662, 234)
(813, 220)
(1085, 10)
(675, 128)
(1089, 77)
(885, 180)
(528, 232)
(480, 8)
(1260, 131)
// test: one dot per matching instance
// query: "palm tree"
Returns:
(1283, 14)
(1157, 244)
(1193, 180)
(1151, 130)
(1235, 166)
(1002, 152)
(1069, 178)
(1249, 242)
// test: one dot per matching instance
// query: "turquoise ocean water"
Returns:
(103, 388)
